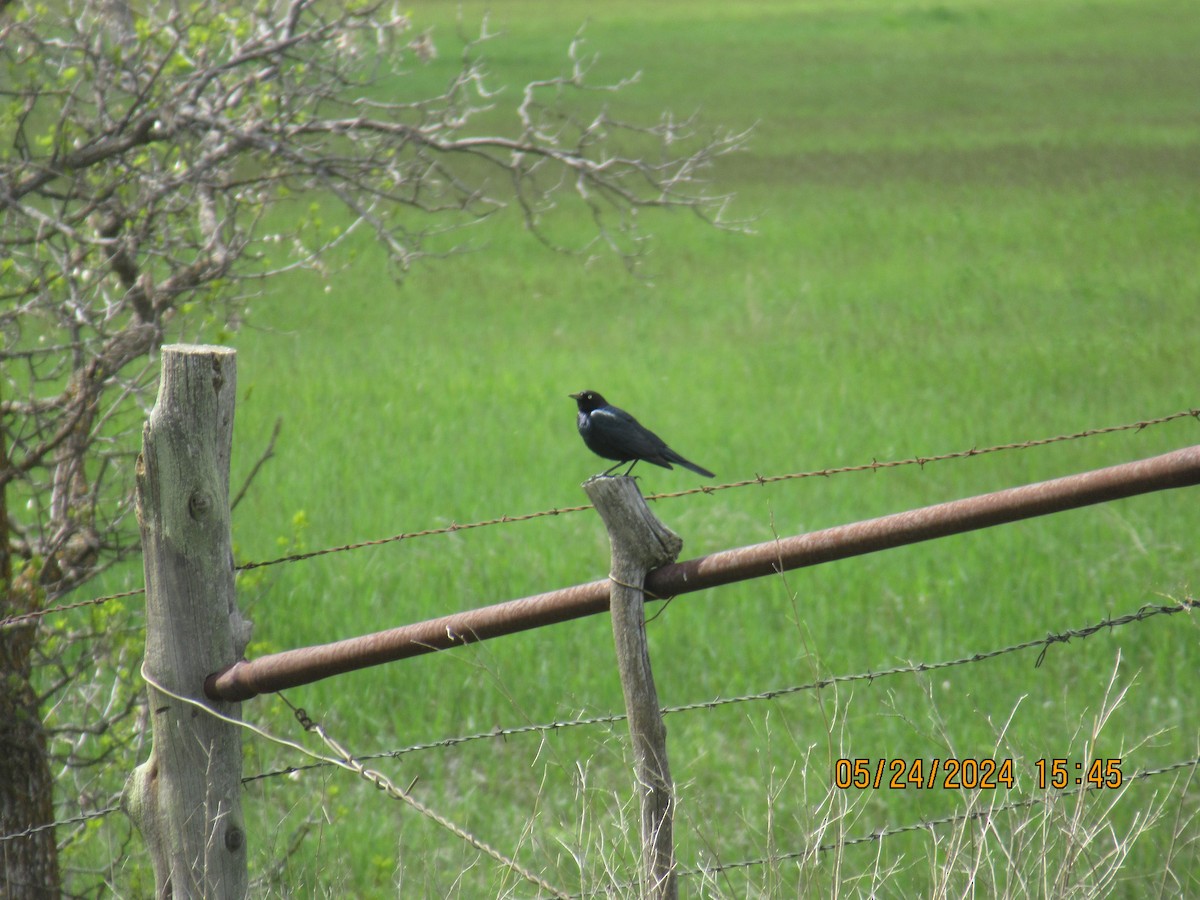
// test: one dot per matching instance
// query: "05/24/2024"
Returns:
(972, 774)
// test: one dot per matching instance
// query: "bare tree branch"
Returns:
(268, 453)
(149, 146)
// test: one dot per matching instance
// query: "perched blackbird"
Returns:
(612, 433)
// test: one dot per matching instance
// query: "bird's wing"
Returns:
(615, 413)
(633, 439)
(612, 416)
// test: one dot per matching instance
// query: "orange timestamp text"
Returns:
(953, 774)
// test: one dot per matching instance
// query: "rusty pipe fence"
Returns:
(291, 668)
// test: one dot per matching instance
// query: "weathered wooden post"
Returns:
(640, 543)
(186, 798)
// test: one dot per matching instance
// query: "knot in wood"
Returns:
(199, 505)
(235, 839)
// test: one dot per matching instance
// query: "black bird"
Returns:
(612, 433)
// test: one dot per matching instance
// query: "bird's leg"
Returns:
(630, 469)
(608, 471)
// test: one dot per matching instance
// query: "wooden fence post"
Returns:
(640, 542)
(186, 798)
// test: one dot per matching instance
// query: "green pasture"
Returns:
(973, 223)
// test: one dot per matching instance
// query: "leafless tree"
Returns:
(148, 152)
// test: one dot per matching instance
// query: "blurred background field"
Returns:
(970, 224)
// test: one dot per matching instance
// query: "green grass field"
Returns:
(974, 223)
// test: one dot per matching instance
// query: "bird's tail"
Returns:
(688, 464)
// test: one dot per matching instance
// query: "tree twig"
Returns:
(266, 454)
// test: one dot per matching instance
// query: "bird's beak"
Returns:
(575, 396)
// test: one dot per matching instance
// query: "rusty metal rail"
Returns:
(292, 668)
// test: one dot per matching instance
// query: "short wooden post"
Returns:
(640, 543)
(186, 798)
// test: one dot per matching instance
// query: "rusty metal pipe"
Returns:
(292, 668)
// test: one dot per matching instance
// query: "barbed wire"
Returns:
(872, 837)
(1147, 611)
(344, 759)
(875, 465)
(354, 764)
(74, 820)
(872, 466)
(408, 535)
(881, 834)
(760, 480)
(875, 836)
(23, 618)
